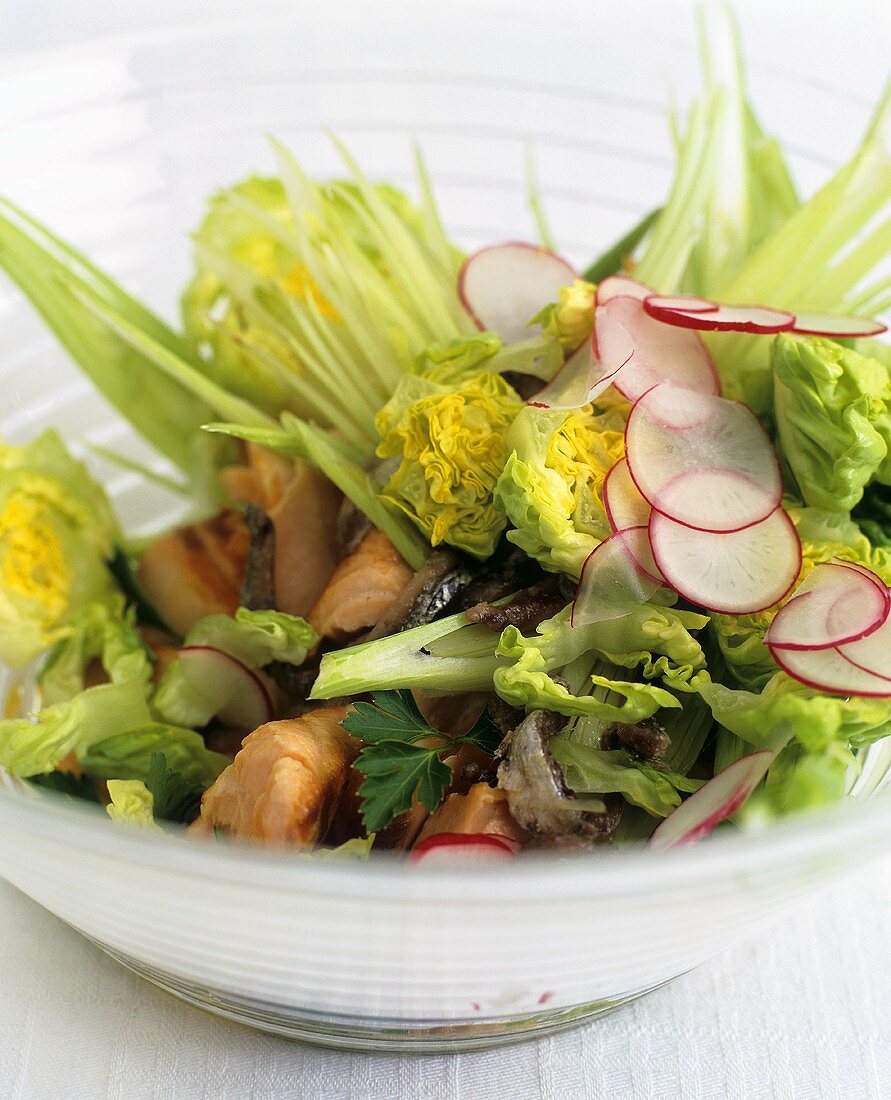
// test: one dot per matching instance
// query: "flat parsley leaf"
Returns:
(398, 769)
(176, 799)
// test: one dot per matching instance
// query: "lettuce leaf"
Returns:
(132, 804)
(129, 755)
(103, 631)
(832, 408)
(31, 747)
(551, 486)
(599, 771)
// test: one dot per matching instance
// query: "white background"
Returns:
(803, 1011)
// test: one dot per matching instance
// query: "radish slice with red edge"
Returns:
(872, 654)
(832, 606)
(737, 573)
(689, 303)
(618, 575)
(622, 502)
(836, 324)
(756, 319)
(578, 381)
(448, 849)
(701, 460)
(238, 696)
(653, 352)
(868, 573)
(503, 286)
(621, 286)
(713, 803)
(829, 671)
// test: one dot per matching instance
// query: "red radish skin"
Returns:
(246, 702)
(832, 607)
(752, 319)
(623, 331)
(622, 502)
(690, 303)
(836, 324)
(701, 460)
(503, 286)
(721, 797)
(448, 849)
(736, 573)
(827, 670)
(618, 575)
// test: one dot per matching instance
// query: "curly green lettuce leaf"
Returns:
(832, 408)
(100, 631)
(800, 781)
(570, 320)
(599, 771)
(34, 746)
(50, 272)
(132, 804)
(551, 485)
(449, 440)
(129, 755)
(57, 531)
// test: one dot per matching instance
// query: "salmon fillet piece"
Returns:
(285, 784)
(483, 809)
(361, 589)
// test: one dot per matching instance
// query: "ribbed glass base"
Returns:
(376, 1034)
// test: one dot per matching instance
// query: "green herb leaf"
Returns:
(68, 784)
(398, 768)
(176, 799)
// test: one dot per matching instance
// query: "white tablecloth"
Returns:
(802, 1011)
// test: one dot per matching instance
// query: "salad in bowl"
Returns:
(485, 554)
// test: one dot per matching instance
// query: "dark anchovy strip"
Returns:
(258, 588)
(506, 572)
(426, 596)
(525, 611)
(537, 795)
(646, 740)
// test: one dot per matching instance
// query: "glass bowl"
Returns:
(115, 143)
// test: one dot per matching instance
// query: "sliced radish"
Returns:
(618, 575)
(759, 319)
(621, 286)
(235, 693)
(653, 352)
(690, 303)
(833, 605)
(578, 381)
(873, 653)
(503, 286)
(737, 573)
(702, 460)
(622, 502)
(827, 670)
(448, 849)
(868, 573)
(713, 803)
(836, 324)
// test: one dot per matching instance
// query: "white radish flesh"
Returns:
(701, 460)
(873, 653)
(690, 303)
(621, 286)
(653, 352)
(618, 575)
(624, 505)
(503, 286)
(755, 319)
(835, 324)
(736, 573)
(578, 381)
(237, 694)
(829, 671)
(834, 605)
(713, 803)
